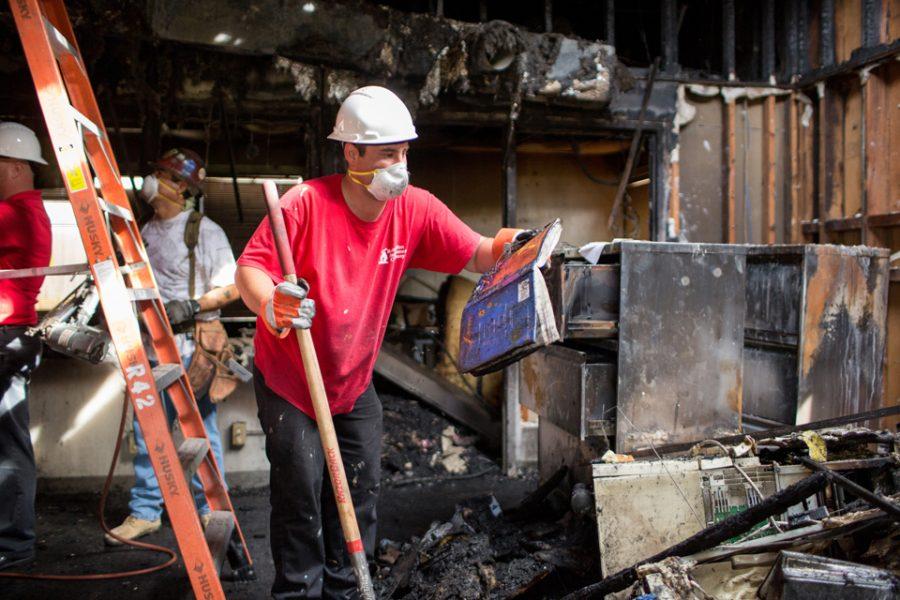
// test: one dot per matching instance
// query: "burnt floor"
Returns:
(70, 540)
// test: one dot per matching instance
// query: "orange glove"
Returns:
(515, 237)
(288, 308)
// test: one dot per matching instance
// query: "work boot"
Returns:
(131, 529)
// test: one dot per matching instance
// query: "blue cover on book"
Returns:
(509, 315)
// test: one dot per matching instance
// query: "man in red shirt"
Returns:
(352, 237)
(24, 243)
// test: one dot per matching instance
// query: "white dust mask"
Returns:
(387, 183)
(150, 188)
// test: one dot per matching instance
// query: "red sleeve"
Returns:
(260, 249)
(446, 243)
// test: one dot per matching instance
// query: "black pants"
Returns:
(19, 355)
(307, 542)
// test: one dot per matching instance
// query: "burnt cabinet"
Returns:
(814, 334)
(665, 321)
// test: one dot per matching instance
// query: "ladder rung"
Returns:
(139, 294)
(131, 268)
(114, 209)
(165, 375)
(43, 271)
(60, 43)
(190, 454)
(85, 122)
(218, 534)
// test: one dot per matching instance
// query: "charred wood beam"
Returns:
(888, 507)
(871, 22)
(862, 57)
(789, 13)
(421, 54)
(669, 32)
(802, 35)
(509, 169)
(728, 60)
(771, 433)
(713, 535)
(826, 33)
(610, 22)
(613, 222)
(768, 39)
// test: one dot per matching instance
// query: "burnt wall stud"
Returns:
(728, 69)
(826, 33)
(669, 33)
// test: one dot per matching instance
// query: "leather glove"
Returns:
(181, 311)
(289, 308)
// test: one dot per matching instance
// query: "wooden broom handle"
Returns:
(320, 405)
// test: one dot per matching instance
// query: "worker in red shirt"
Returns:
(24, 243)
(352, 235)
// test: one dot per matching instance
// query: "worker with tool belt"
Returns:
(352, 237)
(194, 270)
(24, 243)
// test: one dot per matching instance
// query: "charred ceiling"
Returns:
(425, 55)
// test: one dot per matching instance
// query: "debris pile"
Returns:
(483, 552)
(419, 445)
(802, 515)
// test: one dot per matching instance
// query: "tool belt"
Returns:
(208, 371)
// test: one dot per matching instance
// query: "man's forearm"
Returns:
(254, 285)
(483, 259)
(218, 297)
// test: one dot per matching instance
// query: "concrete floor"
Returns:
(70, 539)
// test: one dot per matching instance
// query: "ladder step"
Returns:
(165, 375)
(135, 266)
(82, 120)
(60, 43)
(190, 454)
(218, 534)
(113, 209)
(44, 271)
(139, 294)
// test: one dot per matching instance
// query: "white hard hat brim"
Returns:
(352, 139)
(33, 159)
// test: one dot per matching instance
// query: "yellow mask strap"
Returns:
(355, 180)
(170, 186)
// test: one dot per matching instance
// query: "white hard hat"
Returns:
(17, 141)
(373, 115)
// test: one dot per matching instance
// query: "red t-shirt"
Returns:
(353, 268)
(24, 242)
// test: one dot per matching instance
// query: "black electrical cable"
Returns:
(576, 150)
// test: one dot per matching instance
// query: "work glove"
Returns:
(181, 311)
(509, 240)
(289, 308)
(522, 238)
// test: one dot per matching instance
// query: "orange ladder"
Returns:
(78, 135)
